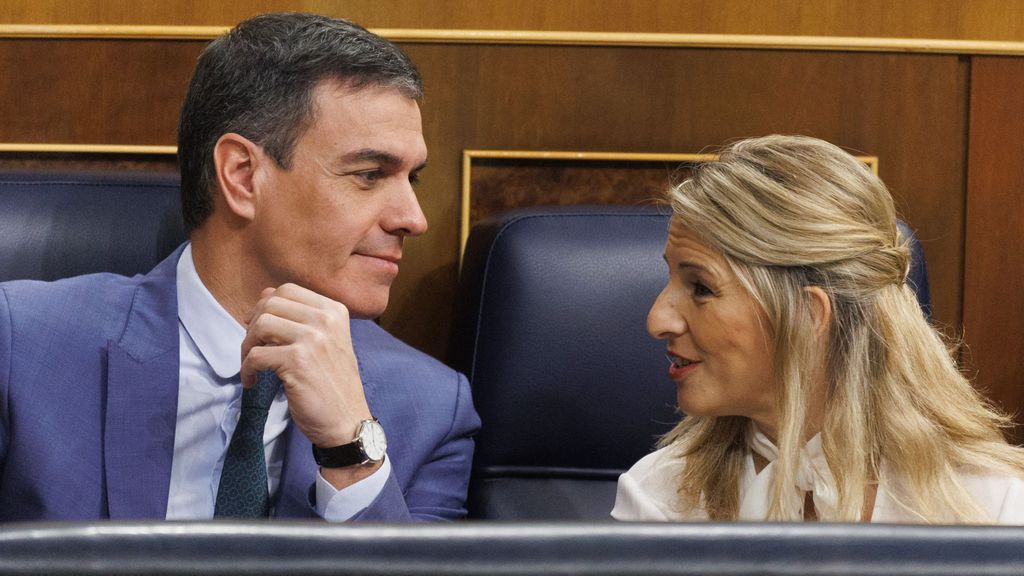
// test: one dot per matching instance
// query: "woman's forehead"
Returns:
(689, 246)
(681, 236)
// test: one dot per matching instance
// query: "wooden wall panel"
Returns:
(946, 19)
(909, 110)
(93, 91)
(994, 272)
(502, 184)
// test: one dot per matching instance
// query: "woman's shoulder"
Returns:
(1000, 495)
(657, 464)
(648, 491)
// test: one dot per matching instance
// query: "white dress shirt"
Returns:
(209, 402)
(648, 490)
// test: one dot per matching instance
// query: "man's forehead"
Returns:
(371, 123)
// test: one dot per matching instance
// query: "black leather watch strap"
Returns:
(339, 456)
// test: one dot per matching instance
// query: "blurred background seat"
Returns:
(535, 549)
(550, 326)
(551, 331)
(59, 224)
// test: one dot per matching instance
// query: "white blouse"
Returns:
(648, 490)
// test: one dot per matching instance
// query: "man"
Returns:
(299, 143)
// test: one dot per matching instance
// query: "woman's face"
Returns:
(716, 334)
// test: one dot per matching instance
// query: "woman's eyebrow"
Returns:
(685, 264)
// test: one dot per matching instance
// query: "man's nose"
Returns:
(407, 216)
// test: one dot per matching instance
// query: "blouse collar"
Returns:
(813, 475)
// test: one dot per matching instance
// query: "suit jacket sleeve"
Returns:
(437, 490)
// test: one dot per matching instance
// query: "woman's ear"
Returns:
(236, 159)
(820, 305)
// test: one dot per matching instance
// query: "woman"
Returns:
(814, 386)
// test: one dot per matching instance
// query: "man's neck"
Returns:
(227, 273)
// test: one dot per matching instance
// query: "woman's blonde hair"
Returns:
(789, 212)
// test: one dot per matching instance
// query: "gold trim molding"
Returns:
(111, 32)
(27, 148)
(551, 38)
(469, 155)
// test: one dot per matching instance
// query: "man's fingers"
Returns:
(300, 305)
(264, 295)
(272, 330)
(263, 358)
(306, 296)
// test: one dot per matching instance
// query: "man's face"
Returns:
(334, 222)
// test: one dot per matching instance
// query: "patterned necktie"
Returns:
(243, 492)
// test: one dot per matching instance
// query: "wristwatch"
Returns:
(367, 448)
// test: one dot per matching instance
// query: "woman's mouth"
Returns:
(680, 367)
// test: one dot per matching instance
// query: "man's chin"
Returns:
(365, 308)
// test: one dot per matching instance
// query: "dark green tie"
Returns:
(242, 492)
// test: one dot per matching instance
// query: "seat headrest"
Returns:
(551, 331)
(59, 224)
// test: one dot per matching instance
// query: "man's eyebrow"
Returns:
(385, 159)
(371, 155)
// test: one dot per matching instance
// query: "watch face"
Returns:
(371, 434)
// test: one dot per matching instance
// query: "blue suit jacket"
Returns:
(89, 392)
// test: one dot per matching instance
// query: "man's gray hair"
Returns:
(258, 81)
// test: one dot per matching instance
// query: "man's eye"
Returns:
(370, 176)
(414, 178)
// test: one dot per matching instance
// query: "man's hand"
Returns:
(305, 338)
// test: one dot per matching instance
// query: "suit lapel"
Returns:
(298, 474)
(142, 399)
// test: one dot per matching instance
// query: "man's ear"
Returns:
(236, 159)
(820, 305)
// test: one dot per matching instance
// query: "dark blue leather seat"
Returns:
(59, 224)
(551, 325)
(551, 332)
(736, 549)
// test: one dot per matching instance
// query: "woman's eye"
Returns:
(701, 291)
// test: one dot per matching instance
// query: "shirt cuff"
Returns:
(336, 505)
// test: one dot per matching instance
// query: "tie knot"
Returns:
(262, 394)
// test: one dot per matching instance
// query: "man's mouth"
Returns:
(384, 262)
(388, 257)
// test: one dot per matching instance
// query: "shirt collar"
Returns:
(217, 335)
(813, 475)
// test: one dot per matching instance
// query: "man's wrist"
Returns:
(367, 447)
(340, 502)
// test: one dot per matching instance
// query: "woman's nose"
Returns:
(664, 321)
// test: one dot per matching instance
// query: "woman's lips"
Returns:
(679, 367)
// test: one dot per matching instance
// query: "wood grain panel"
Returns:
(502, 184)
(95, 162)
(994, 270)
(909, 110)
(93, 91)
(949, 19)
